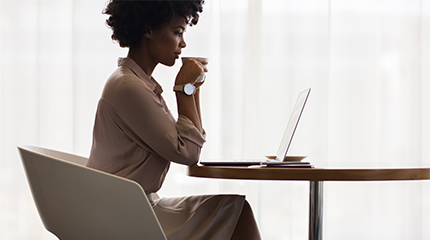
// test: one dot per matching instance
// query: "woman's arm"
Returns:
(197, 101)
(144, 118)
(189, 106)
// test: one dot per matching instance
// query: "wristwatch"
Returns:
(187, 88)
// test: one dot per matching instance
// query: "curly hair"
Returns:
(130, 20)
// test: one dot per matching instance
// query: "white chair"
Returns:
(80, 203)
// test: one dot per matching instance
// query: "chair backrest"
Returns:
(59, 155)
(76, 202)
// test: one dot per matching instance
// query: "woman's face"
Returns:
(166, 43)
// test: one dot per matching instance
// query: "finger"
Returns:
(201, 65)
(198, 84)
(202, 61)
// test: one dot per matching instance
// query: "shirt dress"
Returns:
(135, 136)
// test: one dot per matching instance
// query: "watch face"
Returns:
(189, 89)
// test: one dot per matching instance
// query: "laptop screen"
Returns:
(292, 124)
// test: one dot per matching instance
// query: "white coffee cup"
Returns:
(202, 77)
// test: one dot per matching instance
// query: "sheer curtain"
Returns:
(367, 63)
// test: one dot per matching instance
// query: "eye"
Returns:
(179, 33)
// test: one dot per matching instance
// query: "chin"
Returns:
(169, 63)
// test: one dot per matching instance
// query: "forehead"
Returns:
(177, 21)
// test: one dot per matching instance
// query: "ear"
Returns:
(148, 33)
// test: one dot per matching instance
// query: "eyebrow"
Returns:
(182, 27)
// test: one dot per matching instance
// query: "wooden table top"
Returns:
(310, 174)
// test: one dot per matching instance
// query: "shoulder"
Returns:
(124, 89)
(121, 76)
(124, 81)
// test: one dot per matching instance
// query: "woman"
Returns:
(135, 135)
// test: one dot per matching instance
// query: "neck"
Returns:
(142, 58)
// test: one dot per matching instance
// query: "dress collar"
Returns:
(150, 81)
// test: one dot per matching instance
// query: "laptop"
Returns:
(281, 157)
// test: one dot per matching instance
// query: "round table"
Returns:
(316, 177)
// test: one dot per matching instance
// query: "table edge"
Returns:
(310, 174)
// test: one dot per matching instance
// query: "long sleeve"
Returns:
(147, 120)
(135, 135)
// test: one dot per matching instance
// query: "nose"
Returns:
(182, 44)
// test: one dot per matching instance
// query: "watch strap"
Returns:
(184, 88)
(178, 88)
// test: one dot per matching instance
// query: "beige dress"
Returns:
(135, 136)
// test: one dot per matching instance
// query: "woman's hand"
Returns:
(190, 71)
